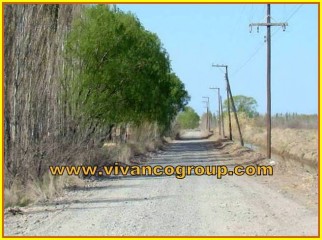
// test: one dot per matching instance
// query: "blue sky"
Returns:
(198, 35)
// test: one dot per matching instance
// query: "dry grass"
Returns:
(145, 138)
(241, 155)
(36, 191)
(299, 144)
(121, 153)
(294, 143)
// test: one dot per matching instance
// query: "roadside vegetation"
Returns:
(188, 118)
(87, 85)
(294, 135)
(243, 104)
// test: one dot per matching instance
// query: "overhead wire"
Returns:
(237, 23)
(294, 12)
(249, 58)
(262, 44)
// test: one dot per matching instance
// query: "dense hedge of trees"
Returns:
(125, 74)
(73, 72)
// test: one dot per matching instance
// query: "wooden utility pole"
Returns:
(208, 119)
(230, 97)
(236, 117)
(228, 100)
(219, 115)
(268, 24)
(222, 118)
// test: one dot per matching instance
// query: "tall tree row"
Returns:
(124, 72)
(34, 43)
(72, 72)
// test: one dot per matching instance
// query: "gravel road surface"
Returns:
(194, 206)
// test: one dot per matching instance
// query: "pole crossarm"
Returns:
(267, 24)
(282, 24)
(219, 65)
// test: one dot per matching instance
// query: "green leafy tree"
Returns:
(125, 73)
(188, 118)
(243, 104)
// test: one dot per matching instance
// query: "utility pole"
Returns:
(208, 120)
(219, 114)
(228, 100)
(268, 24)
(236, 117)
(230, 96)
(207, 114)
(222, 119)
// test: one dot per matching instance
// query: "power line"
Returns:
(248, 60)
(296, 10)
(237, 24)
(260, 46)
(290, 16)
(251, 12)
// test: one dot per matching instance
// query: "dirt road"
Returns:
(196, 205)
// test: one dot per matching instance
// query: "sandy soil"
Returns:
(283, 204)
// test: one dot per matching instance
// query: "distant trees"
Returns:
(243, 104)
(188, 118)
(124, 71)
(289, 120)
